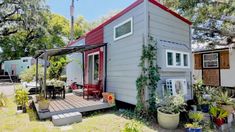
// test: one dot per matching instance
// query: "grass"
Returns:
(106, 121)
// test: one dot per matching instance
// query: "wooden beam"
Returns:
(37, 76)
(45, 73)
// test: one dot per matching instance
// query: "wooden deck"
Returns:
(71, 103)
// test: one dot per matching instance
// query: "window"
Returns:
(93, 68)
(210, 60)
(177, 59)
(170, 58)
(123, 29)
(186, 59)
(25, 60)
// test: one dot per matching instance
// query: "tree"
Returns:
(213, 20)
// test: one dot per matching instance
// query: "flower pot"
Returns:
(228, 108)
(105, 96)
(168, 121)
(19, 107)
(205, 108)
(43, 105)
(219, 121)
(24, 109)
(111, 98)
(193, 129)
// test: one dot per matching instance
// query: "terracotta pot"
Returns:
(228, 108)
(105, 96)
(111, 98)
(168, 121)
(219, 121)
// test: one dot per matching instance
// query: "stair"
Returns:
(66, 118)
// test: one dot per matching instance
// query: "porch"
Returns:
(71, 103)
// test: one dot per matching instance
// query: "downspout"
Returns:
(146, 34)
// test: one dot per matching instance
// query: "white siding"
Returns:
(124, 55)
(171, 34)
(74, 69)
(227, 75)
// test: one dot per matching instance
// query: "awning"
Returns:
(66, 50)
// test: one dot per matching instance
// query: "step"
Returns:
(66, 118)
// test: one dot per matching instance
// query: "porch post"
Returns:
(36, 90)
(83, 68)
(105, 66)
(45, 73)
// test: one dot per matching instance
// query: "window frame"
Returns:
(93, 66)
(119, 25)
(174, 52)
(203, 56)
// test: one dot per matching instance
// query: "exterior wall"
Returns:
(123, 56)
(20, 65)
(197, 74)
(171, 33)
(74, 70)
(227, 75)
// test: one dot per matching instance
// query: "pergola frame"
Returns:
(45, 54)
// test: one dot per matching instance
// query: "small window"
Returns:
(178, 59)
(185, 59)
(211, 60)
(170, 58)
(25, 60)
(124, 29)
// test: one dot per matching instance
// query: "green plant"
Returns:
(224, 99)
(193, 125)
(21, 97)
(196, 116)
(148, 78)
(218, 112)
(57, 65)
(172, 104)
(3, 100)
(29, 74)
(133, 126)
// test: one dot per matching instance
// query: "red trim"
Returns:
(170, 11)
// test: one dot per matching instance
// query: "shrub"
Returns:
(3, 100)
(21, 96)
(29, 74)
(133, 126)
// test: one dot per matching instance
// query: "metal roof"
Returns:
(66, 50)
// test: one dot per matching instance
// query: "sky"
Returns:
(90, 9)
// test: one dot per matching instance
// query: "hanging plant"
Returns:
(148, 78)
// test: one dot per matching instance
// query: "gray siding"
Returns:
(123, 56)
(171, 34)
(74, 70)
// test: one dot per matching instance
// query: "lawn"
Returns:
(106, 121)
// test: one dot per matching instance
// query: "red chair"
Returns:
(92, 90)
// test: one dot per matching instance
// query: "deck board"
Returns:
(71, 103)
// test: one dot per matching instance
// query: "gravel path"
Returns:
(7, 89)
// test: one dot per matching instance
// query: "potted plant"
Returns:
(218, 115)
(169, 111)
(21, 98)
(196, 118)
(43, 104)
(204, 104)
(225, 102)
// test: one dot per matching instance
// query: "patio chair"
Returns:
(92, 90)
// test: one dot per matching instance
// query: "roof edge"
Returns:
(170, 11)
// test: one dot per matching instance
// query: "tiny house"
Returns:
(125, 34)
(15, 67)
(216, 67)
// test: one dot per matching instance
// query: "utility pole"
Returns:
(72, 21)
